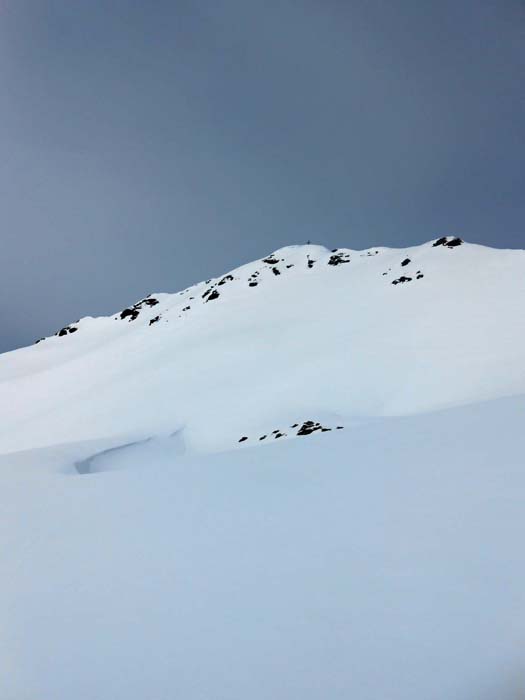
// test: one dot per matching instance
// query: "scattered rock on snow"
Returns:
(402, 280)
(447, 242)
(339, 259)
(132, 314)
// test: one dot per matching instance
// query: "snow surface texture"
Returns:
(155, 545)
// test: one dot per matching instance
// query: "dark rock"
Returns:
(252, 284)
(289, 266)
(131, 313)
(214, 295)
(64, 331)
(444, 241)
(308, 427)
(339, 259)
(263, 437)
(154, 320)
(405, 262)
(418, 277)
(270, 260)
(275, 271)
(227, 278)
(402, 280)
(243, 438)
(311, 263)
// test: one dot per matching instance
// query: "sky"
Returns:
(150, 144)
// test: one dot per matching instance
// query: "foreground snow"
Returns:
(384, 562)
(162, 537)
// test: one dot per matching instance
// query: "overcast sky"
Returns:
(149, 144)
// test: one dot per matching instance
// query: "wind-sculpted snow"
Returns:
(304, 333)
(383, 561)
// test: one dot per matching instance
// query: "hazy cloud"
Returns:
(148, 145)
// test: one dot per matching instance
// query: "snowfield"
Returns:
(163, 536)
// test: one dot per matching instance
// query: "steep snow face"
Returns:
(305, 336)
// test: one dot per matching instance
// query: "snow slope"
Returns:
(146, 553)
(385, 561)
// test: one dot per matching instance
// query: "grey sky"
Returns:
(149, 144)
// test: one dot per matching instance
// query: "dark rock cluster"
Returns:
(402, 280)
(133, 312)
(306, 428)
(447, 242)
(64, 331)
(339, 259)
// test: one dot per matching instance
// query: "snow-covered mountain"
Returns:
(163, 536)
(305, 334)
